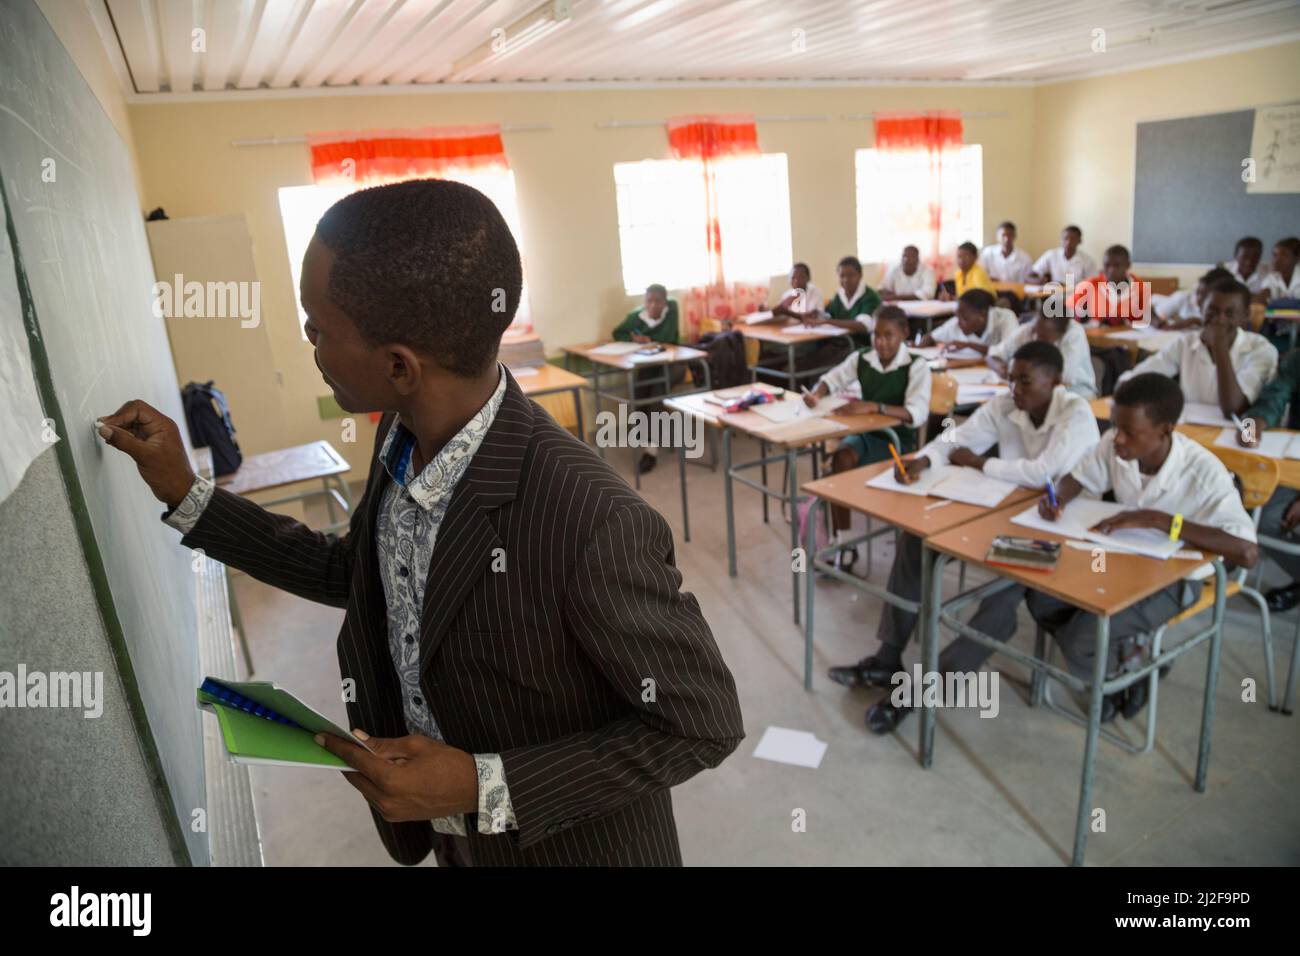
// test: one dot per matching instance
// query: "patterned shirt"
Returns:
(410, 514)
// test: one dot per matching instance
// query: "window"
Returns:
(662, 214)
(301, 207)
(894, 190)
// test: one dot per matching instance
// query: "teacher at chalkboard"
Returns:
(527, 671)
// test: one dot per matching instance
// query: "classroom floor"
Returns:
(1001, 791)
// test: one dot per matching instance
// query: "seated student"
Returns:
(854, 302)
(1184, 308)
(969, 275)
(1245, 264)
(1040, 431)
(886, 380)
(1003, 261)
(1067, 263)
(1160, 474)
(978, 324)
(1283, 282)
(1281, 515)
(655, 321)
(909, 279)
(1114, 296)
(802, 301)
(1055, 328)
(1226, 365)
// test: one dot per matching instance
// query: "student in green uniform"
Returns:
(884, 380)
(854, 303)
(655, 321)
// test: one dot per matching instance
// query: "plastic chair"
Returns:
(1259, 478)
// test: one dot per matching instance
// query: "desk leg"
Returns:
(1101, 650)
(932, 565)
(789, 368)
(681, 473)
(791, 464)
(1211, 679)
(577, 411)
(631, 398)
(237, 622)
(762, 454)
(728, 495)
(595, 387)
(329, 500)
(810, 551)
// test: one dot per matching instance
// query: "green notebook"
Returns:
(264, 724)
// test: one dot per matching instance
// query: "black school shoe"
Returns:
(1283, 599)
(883, 717)
(867, 672)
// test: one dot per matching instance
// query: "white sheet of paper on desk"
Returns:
(1280, 445)
(930, 352)
(802, 428)
(523, 372)
(976, 375)
(971, 486)
(799, 748)
(1197, 413)
(664, 356)
(920, 485)
(616, 348)
(753, 318)
(794, 408)
(800, 329)
(920, 308)
(974, 394)
(961, 354)
(1082, 513)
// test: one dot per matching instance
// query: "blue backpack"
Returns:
(208, 418)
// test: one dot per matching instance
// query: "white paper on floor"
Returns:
(797, 747)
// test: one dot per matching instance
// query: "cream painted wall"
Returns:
(1085, 137)
(565, 184)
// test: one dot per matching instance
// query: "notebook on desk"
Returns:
(954, 482)
(1081, 514)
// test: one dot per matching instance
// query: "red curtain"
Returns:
(712, 141)
(938, 136)
(392, 156)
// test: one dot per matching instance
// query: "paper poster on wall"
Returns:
(22, 424)
(1275, 148)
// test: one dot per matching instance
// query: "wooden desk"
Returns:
(927, 309)
(547, 379)
(1126, 580)
(922, 516)
(1208, 435)
(623, 365)
(771, 332)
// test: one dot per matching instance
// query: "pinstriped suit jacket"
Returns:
(544, 663)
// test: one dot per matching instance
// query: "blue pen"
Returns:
(1051, 493)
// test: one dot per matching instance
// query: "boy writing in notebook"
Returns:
(979, 325)
(1055, 328)
(1169, 484)
(884, 380)
(401, 287)
(1040, 430)
(1226, 364)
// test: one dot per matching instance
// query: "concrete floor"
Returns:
(1001, 791)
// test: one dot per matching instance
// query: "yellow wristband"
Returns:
(1175, 527)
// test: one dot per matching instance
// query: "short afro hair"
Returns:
(427, 263)
(1230, 286)
(1045, 355)
(895, 314)
(851, 262)
(1158, 394)
(969, 247)
(981, 300)
(1248, 242)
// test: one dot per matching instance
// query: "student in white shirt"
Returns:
(1226, 365)
(886, 380)
(1066, 264)
(978, 324)
(1055, 327)
(1160, 474)
(1002, 260)
(802, 300)
(1183, 309)
(1040, 430)
(909, 279)
(1245, 266)
(1283, 282)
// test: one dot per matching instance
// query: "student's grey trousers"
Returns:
(1270, 523)
(1075, 631)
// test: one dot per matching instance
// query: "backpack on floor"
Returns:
(208, 418)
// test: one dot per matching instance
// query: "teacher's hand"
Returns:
(154, 442)
(409, 778)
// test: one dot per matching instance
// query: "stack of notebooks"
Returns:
(1029, 554)
(264, 724)
(967, 485)
(1272, 444)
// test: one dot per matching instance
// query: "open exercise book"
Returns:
(264, 724)
(1081, 514)
(957, 483)
(1271, 444)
